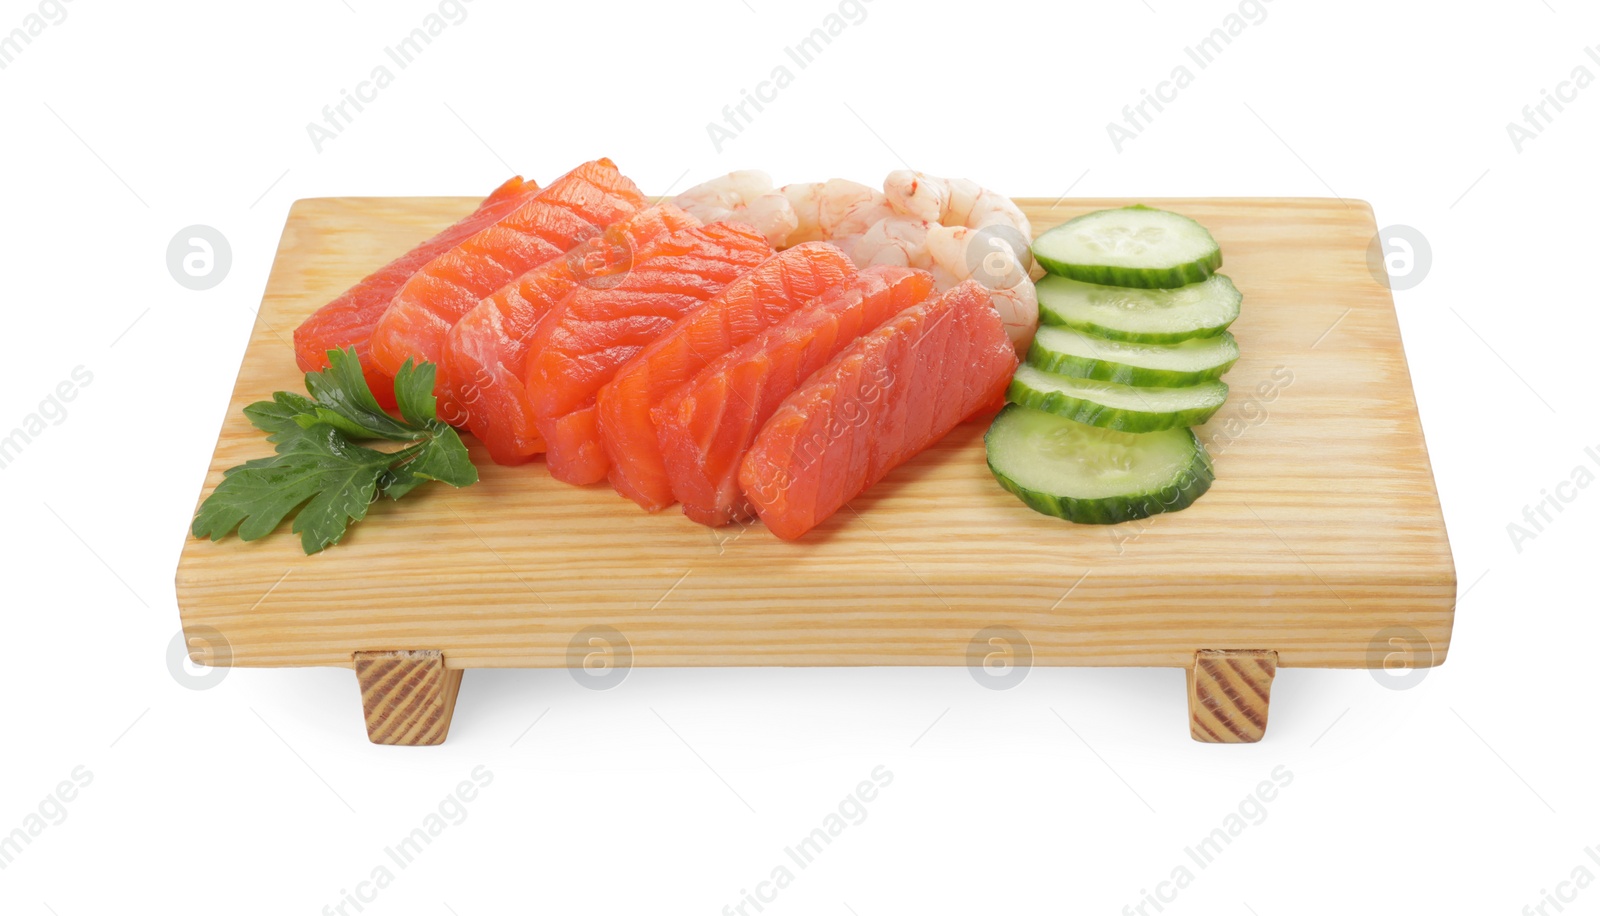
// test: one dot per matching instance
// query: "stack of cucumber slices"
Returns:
(1133, 340)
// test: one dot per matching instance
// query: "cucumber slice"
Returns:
(1096, 476)
(1202, 309)
(1113, 406)
(1079, 355)
(1134, 246)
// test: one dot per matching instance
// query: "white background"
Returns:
(1077, 790)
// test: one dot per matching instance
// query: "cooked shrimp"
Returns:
(746, 197)
(961, 252)
(952, 202)
(772, 216)
(713, 200)
(901, 241)
(833, 210)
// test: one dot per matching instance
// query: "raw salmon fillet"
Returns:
(580, 347)
(882, 400)
(575, 207)
(706, 425)
(484, 357)
(348, 320)
(749, 305)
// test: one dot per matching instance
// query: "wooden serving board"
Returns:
(1322, 532)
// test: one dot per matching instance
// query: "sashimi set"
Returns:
(749, 351)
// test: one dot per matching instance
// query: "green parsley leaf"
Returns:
(279, 417)
(334, 480)
(413, 392)
(443, 458)
(346, 403)
(318, 474)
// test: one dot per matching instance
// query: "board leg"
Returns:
(407, 696)
(1229, 690)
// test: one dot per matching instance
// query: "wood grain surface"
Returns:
(407, 696)
(1322, 530)
(1229, 695)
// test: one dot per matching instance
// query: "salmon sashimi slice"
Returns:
(348, 320)
(486, 352)
(593, 332)
(706, 425)
(881, 401)
(575, 207)
(749, 305)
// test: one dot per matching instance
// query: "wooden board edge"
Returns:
(466, 661)
(1447, 553)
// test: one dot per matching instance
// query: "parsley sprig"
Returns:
(319, 474)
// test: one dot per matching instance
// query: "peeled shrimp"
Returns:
(961, 252)
(746, 197)
(900, 241)
(771, 215)
(713, 200)
(950, 226)
(834, 210)
(952, 202)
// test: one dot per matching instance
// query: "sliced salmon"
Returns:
(348, 320)
(749, 305)
(594, 331)
(882, 400)
(486, 352)
(575, 207)
(706, 425)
